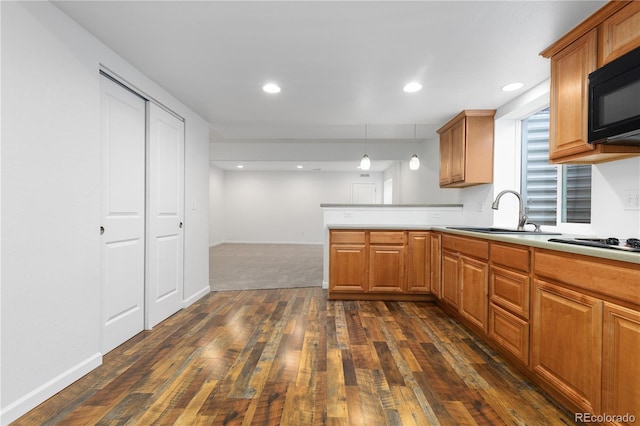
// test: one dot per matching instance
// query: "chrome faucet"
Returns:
(522, 218)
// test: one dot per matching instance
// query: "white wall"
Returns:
(609, 183)
(216, 206)
(421, 186)
(284, 207)
(50, 269)
(196, 220)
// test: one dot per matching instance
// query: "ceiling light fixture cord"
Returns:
(365, 163)
(414, 163)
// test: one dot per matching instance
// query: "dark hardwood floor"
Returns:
(291, 357)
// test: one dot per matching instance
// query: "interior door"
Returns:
(123, 213)
(363, 193)
(165, 203)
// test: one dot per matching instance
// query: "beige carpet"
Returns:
(264, 266)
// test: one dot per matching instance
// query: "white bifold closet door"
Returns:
(142, 214)
(165, 204)
(123, 127)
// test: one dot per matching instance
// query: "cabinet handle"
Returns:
(101, 230)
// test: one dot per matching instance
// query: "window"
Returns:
(540, 180)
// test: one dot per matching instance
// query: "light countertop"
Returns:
(368, 206)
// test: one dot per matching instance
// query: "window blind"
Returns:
(577, 194)
(539, 180)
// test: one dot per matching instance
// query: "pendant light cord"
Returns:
(365, 138)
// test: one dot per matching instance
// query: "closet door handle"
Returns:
(180, 225)
(101, 230)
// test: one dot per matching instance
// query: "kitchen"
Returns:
(60, 69)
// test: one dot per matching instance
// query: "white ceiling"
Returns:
(341, 64)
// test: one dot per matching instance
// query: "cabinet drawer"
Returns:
(607, 277)
(347, 237)
(510, 332)
(512, 257)
(510, 290)
(469, 246)
(387, 237)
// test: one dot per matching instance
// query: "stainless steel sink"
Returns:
(491, 230)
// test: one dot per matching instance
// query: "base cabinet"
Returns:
(621, 369)
(379, 264)
(465, 278)
(567, 343)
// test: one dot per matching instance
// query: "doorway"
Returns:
(363, 193)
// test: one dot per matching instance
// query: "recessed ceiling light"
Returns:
(412, 87)
(299, 167)
(271, 88)
(240, 166)
(511, 87)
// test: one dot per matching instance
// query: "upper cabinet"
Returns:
(569, 99)
(607, 34)
(619, 34)
(466, 149)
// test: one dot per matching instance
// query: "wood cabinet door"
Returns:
(620, 33)
(450, 273)
(567, 343)
(435, 266)
(621, 369)
(445, 158)
(458, 151)
(569, 97)
(474, 278)
(386, 269)
(419, 263)
(347, 268)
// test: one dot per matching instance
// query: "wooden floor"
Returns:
(290, 357)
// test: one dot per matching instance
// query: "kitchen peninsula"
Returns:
(388, 216)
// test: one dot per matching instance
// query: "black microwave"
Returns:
(614, 101)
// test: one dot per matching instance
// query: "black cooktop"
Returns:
(631, 244)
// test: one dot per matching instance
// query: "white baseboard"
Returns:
(200, 294)
(31, 400)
